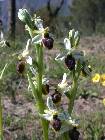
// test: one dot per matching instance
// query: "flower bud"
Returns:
(56, 97)
(48, 41)
(67, 44)
(24, 16)
(74, 38)
(45, 89)
(74, 134)
(71, 33)
(56, 123)
(70, 62)
(20, 67)
(86, 70)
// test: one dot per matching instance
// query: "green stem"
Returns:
(1, 121)
(37, 92)
(73, 91)
(41, 105)
(72, 96)
(65, 136)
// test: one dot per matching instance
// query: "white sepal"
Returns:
(47, 117)
(67, 44)
(63, 84)
(1, 36)
(73, 122)
(71, 33)
(76, 34)
(39, 23)
(64, 78)
(29, 60)
(26, 51)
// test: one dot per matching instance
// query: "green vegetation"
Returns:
(88, 16)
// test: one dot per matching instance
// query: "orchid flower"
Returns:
(63, 86)
(25, 54)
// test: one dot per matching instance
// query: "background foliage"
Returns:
(88, 16)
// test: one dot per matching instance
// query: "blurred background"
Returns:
(87, 16)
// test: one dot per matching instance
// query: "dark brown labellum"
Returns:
(45, 89)
(7, 44)
(56, 97)
(74, 134)
(56, 124)
(102, 138)
(70, 62)
(20, 67)
(48, 42)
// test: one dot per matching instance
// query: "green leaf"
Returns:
(2, 72)
(32, 86)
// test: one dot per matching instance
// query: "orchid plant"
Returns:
(52, 114)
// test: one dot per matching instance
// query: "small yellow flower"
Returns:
(96, 78)
(102, 79)
(103, 101)
(103, 83)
